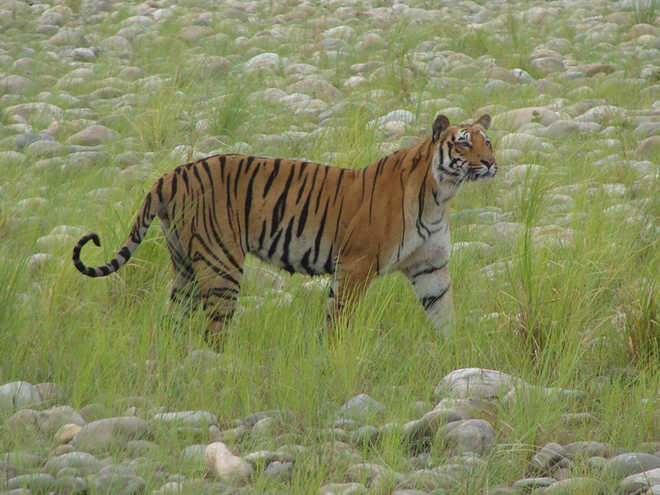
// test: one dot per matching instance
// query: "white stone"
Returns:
(226, 466)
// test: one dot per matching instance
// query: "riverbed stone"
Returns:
(629, 463)
(226, 466)
(361, 408)
(115, 479)
(468, 436)
(16, 395)
(104, 434)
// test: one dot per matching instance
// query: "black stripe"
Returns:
(249, 163)
(280, 205)
(321, 186)
(273, 246)
(248, 206)
(300, 191)
(174, 187)
(273, 174)
(125, 253)
(428, 270)
(223, 162)
(159, 189)
(329, 266)
(262, 235)
(305, 263)
(285, 248)
(184, 176)
(429, 301)
(238, 175)
(319, 233)
(303, 166)
(341, 176)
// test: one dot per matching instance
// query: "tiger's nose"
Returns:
(489, 162)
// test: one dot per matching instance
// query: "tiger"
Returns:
(310, 218)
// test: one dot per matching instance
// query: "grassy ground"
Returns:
(578, 312)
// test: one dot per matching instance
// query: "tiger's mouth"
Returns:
(482, 171)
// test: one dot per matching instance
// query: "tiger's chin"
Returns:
(481, 173)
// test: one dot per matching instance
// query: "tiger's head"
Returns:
(463, 152)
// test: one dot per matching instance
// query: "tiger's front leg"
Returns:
(432, 285)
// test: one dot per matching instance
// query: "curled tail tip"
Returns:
(80, 266)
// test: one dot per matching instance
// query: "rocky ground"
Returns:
(74, 79)
(86, 446)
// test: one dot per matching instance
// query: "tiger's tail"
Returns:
(138, 231)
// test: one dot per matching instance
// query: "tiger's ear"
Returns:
(484, 121)
(441, 123)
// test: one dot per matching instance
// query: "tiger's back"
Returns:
(285, 212)
(310, 218)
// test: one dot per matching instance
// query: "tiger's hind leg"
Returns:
(218, 288)
(184, 292)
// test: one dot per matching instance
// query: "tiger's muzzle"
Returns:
(483, 170)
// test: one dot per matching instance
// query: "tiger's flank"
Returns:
(311, 218)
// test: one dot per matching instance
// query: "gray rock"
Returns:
(94, 412)
(601, 114)
(101, 435)
(572, 486)
(81, 462)
(372, 475)
(71, 485)
(17, 395)
(547, 457)
(624, 465)
(548, 65)
(23, 422)
(265, 457)
(281, 471)
(21, 460)
(589, 449)
(116, 480)
(264, 61)
(37, 482)
(428, 479)
(16, 85)
(521, 140)
(317, 88)
(528, 484)
(648, 148)
(283, 416)
(228, 436)
(361, 408)
(343, 489)
(394, 115)
(186, 418)
(50, 420)
(475, 382)
(639, 481)
(365, 435)
(470, 435)
(93, 135)
(513, 119)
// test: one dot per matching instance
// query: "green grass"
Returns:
(576, 305)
